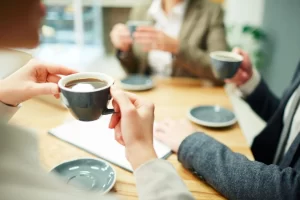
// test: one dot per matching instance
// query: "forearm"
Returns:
(258, 96)
(193, 55)
(197, 63)
(158, 180)
(139, 154)
(6, 110)
(195, 58)
(190, 55)
(233, 174)
(128, 61)
(263, 101)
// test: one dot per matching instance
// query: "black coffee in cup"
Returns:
(86, 95)
(86, 84)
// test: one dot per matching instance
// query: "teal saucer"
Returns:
(212, 116)
(87, 174)
(137, 83)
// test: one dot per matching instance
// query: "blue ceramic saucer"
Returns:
(137, 83)
(87, 174)
(212, 116)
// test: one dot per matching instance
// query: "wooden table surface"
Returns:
(172, 98)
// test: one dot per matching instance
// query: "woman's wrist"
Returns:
(248, 87)
(175, 47)
(140, 154)
(4, 94)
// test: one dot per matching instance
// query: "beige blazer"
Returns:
(202, 32)
(21, 177)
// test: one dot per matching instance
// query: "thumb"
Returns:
(45, 88)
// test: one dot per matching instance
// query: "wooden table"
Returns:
(172, 97)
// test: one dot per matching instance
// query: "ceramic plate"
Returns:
(87, 174)
(212, 116)
(137, 83)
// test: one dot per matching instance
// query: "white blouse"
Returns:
(161, 61)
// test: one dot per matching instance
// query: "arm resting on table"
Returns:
(158, 180)
(233, 175)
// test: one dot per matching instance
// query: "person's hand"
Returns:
(120, 37)
(245, 71)
(33, 79)
(172, 133)
(133, 124)
(151, 39)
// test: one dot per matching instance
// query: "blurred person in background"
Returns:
(179, 43)
(21, 175)
(275, 173)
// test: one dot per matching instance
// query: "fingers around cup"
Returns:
(134, 24)
(115, 119)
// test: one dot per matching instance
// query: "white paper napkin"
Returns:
(96, 138)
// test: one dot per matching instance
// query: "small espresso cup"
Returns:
(133, 25)
(87, 105)
(225, 64)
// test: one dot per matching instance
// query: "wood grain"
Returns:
(172, 98)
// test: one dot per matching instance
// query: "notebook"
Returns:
(96, 138)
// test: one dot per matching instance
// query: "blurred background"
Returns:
(75, 33)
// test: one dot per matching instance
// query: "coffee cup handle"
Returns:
(108, 111)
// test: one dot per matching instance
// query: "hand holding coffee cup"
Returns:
(33, 79)
(225, 64)
(120, 37)
(133, 125)
(86, 95)
(150, 38)
(245, 71)
(134, 24)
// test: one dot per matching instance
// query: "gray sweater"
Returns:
(233, 175)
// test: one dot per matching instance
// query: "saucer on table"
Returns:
(137, 83)
(87, 174)
(212, 116)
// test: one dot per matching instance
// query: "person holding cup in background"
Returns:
(276, 172)
(20, 172)
(183, 34)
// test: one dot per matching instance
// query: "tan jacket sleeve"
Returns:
(23, 178)
(6, 111)
(197, 60)
(128, 60)
(158, 180)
